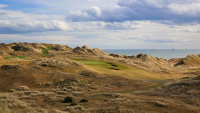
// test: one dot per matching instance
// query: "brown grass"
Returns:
(185, 88)
(50, 85)
(11, 104)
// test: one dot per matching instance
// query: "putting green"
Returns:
(102, 64)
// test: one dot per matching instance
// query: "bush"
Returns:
(73, 104)
(68, 99)
(84, 100)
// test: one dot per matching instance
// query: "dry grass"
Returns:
(50, 102)
(11, 104)
(187, 88)
(50, 85)
(50, 97)
(14, 62)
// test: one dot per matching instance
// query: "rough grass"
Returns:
(45, 51)
(69, 49)
(13, 56)
(184, 88)
(193, 69)
(152, 86)
(11, 104)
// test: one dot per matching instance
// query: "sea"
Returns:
(162, 53)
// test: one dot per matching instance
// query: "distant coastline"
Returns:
(162, 53)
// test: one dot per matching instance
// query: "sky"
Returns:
(104, 24)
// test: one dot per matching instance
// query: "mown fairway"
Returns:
(123, 70)
(120, 69)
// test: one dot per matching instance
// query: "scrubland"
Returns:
(53, 78)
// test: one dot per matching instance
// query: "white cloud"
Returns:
(2, 5)
(147, 34)
(53, 6)
(141, 3)
(188, 9)
(61, 25)
(128, 10)
(92, 0)
(19, 15)
(14, 21)
(34, 26)
(188, 28)
(94, 11)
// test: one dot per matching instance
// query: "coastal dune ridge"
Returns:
(54, 78)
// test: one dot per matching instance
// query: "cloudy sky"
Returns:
(106, 24)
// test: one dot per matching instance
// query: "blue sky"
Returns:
(106, 24)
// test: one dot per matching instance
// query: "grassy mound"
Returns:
(45, 51)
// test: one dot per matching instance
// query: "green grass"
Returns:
(120, 69)
(13, 56)
(105, 66)
(125, 71)
(15, 50)
(45, 51)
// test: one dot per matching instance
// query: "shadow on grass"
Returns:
(114, 65)
(114, 68)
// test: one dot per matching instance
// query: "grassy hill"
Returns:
(73, 80)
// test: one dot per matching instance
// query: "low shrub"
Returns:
(68, 99)
(73, 104)
(84, 100)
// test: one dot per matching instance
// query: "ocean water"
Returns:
(163, 53)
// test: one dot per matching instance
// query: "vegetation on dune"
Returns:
(15, 50)
(151, 87)
(84, 100)
(73, 104)
(13, 56)
(193, 69)
(68, 99)
(45, 51)
(57, 84)
(187, 88)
